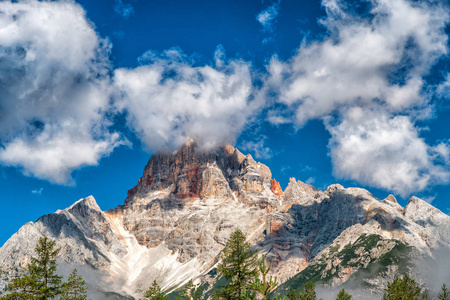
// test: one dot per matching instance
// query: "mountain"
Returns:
(175, 222)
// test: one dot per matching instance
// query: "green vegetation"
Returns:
(309, 293)
(238, 267)
(235, 273)
(404, 288)
(40, 280)
(358, 256)
(22, 287)
(190, 292)
(43, 269)
(343, 295)
(154, 292)
(74, 288)
(444, 294)
(266, 285)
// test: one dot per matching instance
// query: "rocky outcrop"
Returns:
(175, 222)
(276, 188)
(299, 191)
(192, 173)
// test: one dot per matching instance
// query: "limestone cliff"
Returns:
(175, 222)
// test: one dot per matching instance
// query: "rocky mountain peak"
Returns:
(177, 219)
(298, 190)
(276, 189)
(332, 188)
(88, 202)
(192, 172)
(418, 209)
(391, 199)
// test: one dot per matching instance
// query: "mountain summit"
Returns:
(175, 222)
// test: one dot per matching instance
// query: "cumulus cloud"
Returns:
(366, 78)
(54, 94)
(382, 59)
(168, 100)
(386, 152)
(267, 17)
(123, 9)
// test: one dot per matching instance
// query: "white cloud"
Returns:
(267, 16)
(54, 89)
(366, 79)
(122, 9)
(258, 148)
(310, 180)
(443, 89)
(55, 152)
(168, 100)
(358, 62)
(386, 152)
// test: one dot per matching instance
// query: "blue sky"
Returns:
(354, 92)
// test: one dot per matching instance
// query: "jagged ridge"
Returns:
(176, 220)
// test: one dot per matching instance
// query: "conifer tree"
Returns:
(291, 295)
(267, 285)
(343, 295)
(190, 292)
(309, 293)
(404, 288)
(22, 288)
(444, 294)
(43, 269)
(154, 292)
(238, 266)
(74, 288)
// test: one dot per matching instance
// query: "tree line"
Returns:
(248, 279)
(246, 275)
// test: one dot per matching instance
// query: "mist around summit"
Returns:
(175, 222)
(366, 78)
(226, 103)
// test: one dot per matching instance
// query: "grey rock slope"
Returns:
(174, 224)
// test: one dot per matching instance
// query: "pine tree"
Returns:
(309, 293)
(190, 292)
(278, 297)
(444, 295)
(43, 268)
(248, 295)
(265, 286)
(74, 288)
(292, 295)
(343, 295)
(22, 288)
(404, 288)
(154, 292)
(238, 267)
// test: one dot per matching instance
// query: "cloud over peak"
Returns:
(168, 100)
(366, 79)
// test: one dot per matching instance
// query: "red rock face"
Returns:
(185, 172)
(182, 170)
(276, 188)
(185, 176)
(187, 184)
